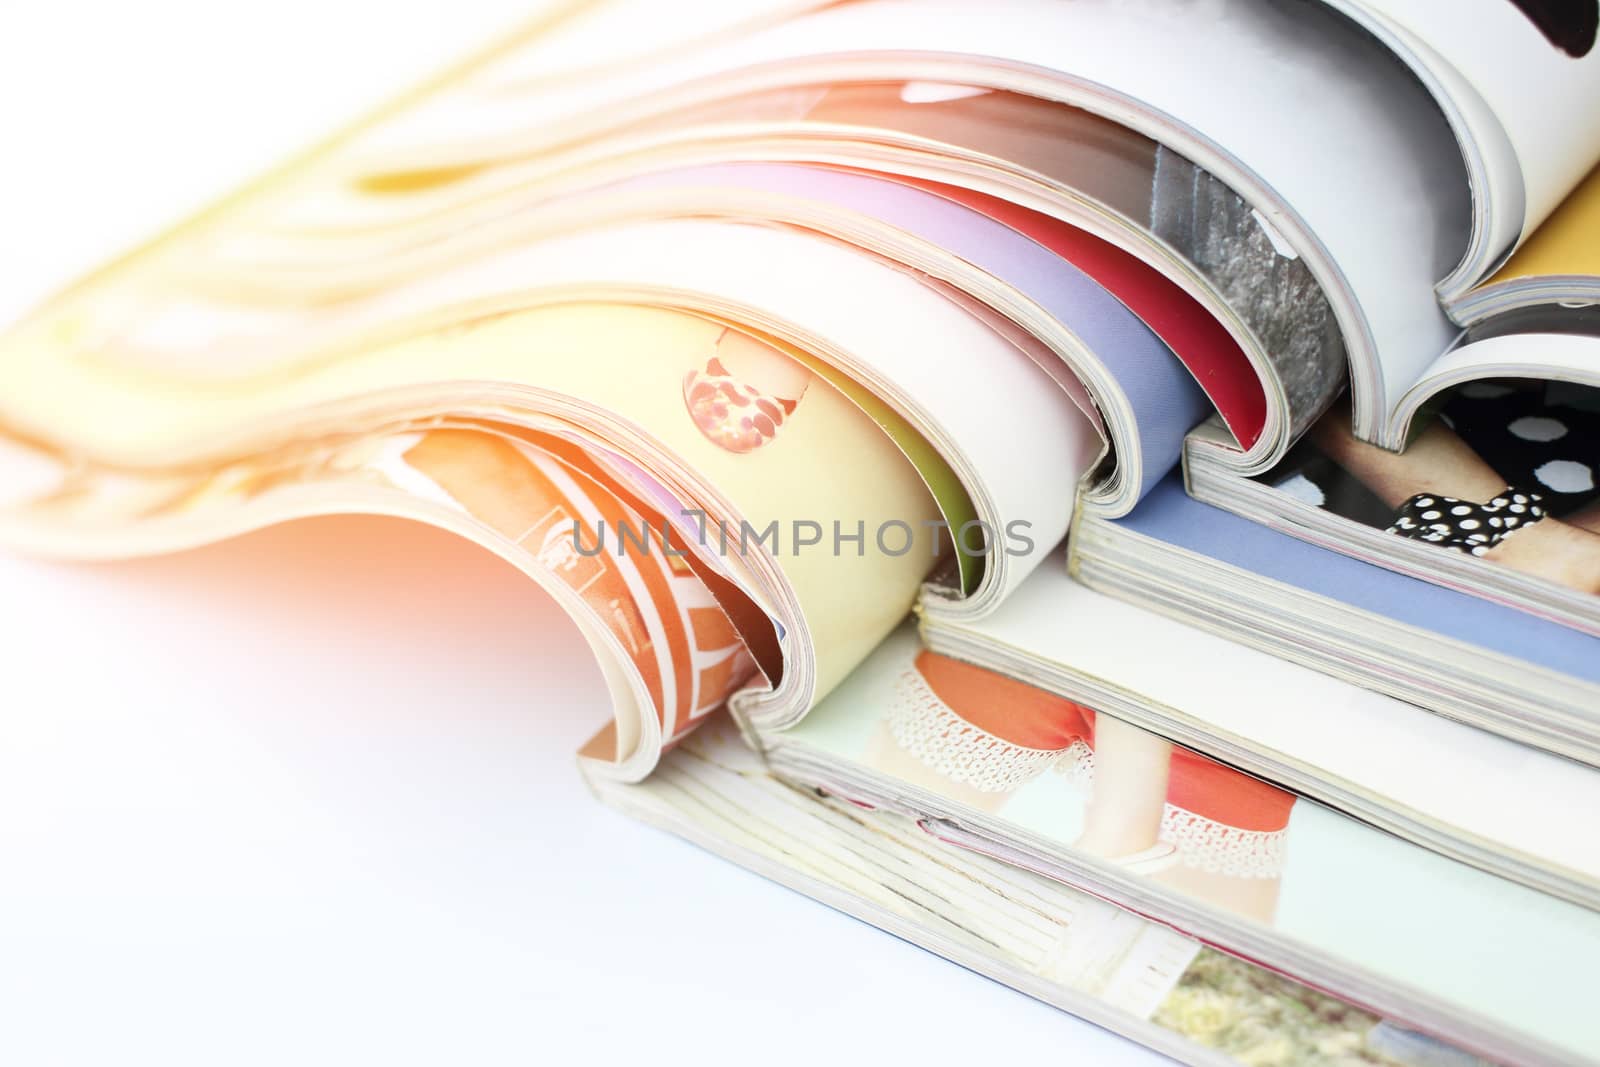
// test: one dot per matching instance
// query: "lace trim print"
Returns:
(926, 728)
(1076, 765)
(1217, 848)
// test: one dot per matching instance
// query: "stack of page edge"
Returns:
(1108, 492)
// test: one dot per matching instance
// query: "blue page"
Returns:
(1169, 514)
(1165, 398)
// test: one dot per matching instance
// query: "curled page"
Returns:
(1372, 195)
(145, 468)
(1518, 81)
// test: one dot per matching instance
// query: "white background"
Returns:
(308, 797)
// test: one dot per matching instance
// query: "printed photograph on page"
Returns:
(1503, 471)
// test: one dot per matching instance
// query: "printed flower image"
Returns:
(745, 392)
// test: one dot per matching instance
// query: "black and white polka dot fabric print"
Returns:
(1463, 525)
(1544, 437)
(1545, 441)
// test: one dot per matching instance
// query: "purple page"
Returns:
(1165, 398)
(1169, 514)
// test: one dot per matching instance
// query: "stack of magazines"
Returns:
(1108, 491)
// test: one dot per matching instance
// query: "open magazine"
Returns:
(1064, 789)
(1491, 436)
(749, 345)
(1149, 982)
(1493, 666)
(1420, 776)
(1516, 80)
(1557, 267)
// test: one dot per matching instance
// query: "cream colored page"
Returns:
(827, 463)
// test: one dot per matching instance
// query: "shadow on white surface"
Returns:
(309, 797)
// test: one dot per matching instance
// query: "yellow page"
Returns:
(635, 368)
(1567, 243)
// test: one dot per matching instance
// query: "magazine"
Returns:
(1068, 948)
(1111, 180)
(1423, 777)
(1517, 80)
(1325, 199)
(1527, 290)
(1493, 666)
(678, 632)
(1495, 494)
(749, 342)
(1057, 787)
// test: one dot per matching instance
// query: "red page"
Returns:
(1198, 339)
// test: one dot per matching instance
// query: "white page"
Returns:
(1547, 101)
(1454, 774)
(1315, 125)
(597, 38)
(1571, 357)
(1499, 197)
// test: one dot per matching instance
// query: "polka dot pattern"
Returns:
(1539, 428)
(1536, 435)
(1304, 490)
(1542, 438)
(1565, 476)
(1463, 526)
